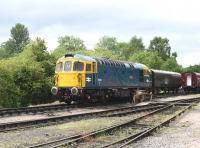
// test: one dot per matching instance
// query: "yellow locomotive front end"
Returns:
(69, 73)
(70, 78)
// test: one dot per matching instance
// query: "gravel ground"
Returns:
(182, 133)
(24, 138)
(180, 97)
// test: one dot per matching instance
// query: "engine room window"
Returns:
(141, 76)
(59, 66)
(88, 67)
(78, 66)
(67, 66)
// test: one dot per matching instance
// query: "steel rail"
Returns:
(105, 130)
(32, 110)
(61, 119)
(149, 131)
(134, 137)
(78, 138)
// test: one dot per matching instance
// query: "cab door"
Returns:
(90, 75)
(94, 73)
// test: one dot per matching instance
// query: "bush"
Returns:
(27, 77)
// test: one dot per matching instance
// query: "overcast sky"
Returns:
(178, 20)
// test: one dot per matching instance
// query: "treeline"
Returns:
(27, 68)
(158, 55)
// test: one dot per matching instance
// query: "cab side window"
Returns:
(78, 66)
(88, 67)
(59, 66)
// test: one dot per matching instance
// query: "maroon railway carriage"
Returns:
(191, 81)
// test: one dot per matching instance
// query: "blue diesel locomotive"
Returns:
(85, 78)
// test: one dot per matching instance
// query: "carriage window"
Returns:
(68, 66)
(78, 66)
(59, 66)
(88, 67)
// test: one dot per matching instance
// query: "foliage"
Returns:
(149, 58)
(10, 95)
(105, 53)
(192, 68)
(3, 53)
(19, 39)
(108, 43)
(162, 46)
(59, 52)
(154, 61)
(171, 65)
(134, 45)
(71, 43)
(32, 71)
(20, 36)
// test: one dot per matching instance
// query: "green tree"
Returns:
(105, 53)
(149, 58)
(19, 39)
(109, 43)
(162, 46)
(71, 43)
(192, 68)
(171, 65)
(123, 48)
(135, 44)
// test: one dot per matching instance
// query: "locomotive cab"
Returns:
(69, 73)
(71, 77)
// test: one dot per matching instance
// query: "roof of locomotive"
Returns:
(106, 61)
(78, 57)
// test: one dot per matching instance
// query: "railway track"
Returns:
(33, 110)
(9, 126)
(8, 112)
(63, 119)
(141, 130)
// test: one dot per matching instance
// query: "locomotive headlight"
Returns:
(74, 91)
(54, 90)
